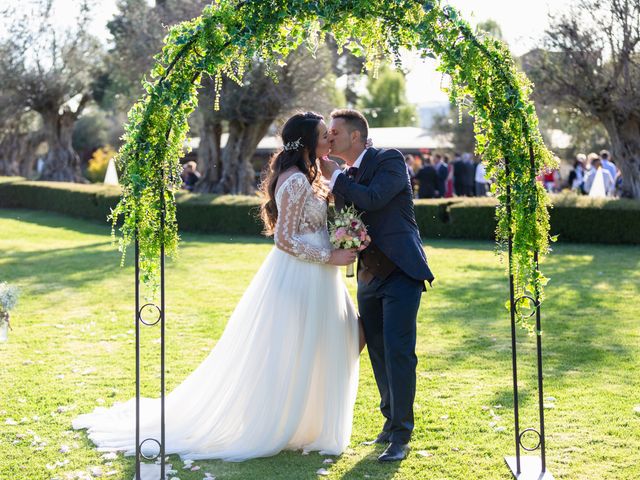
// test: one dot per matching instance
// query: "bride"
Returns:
(284, 373)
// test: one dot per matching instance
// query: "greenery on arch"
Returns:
(230, 33)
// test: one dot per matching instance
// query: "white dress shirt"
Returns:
(481, 174)
(356, 164)
(611, 168)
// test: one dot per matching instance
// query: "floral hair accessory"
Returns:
(292, 146)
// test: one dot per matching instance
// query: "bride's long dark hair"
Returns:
(303, 128)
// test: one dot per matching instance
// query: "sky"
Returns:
(522, 22)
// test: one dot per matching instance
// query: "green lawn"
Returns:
(72, 349)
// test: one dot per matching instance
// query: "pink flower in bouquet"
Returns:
(341, 234)
(363, 235)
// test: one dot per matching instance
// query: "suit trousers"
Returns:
(388, 310)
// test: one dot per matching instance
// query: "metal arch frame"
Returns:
(525, 468)
(522, 468)
(139, 320)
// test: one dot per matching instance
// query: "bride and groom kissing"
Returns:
(284, 373)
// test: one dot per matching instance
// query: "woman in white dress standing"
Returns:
(284, 373)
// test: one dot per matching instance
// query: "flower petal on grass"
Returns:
(96, 471)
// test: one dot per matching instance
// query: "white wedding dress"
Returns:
(284, 373)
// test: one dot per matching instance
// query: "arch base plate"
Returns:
(530, 468)
(151, 471)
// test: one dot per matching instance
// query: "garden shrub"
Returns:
(573, 218)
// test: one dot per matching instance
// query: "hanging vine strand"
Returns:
(228, 35)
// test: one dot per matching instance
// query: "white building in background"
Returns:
(427, 112)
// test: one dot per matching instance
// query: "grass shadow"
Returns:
(475, 313)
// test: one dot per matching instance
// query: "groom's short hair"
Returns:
(354, 121)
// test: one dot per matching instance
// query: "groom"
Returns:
(391, 272)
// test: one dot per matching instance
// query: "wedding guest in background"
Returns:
(576, 176)
(427, 180)
(190, 175)
(589, 180)
(590, 158)
(481, 183)
(448, 191)
(550, 180)
(442, 172)
(607, 163)
(458, 175)
(410, 161)
(468, 175)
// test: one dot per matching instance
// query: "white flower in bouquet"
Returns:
(8, 297)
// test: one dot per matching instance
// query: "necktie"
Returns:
(351, 172)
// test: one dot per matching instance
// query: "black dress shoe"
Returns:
(381, 439)
(394, 452)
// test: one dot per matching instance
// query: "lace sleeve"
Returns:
(294, 192)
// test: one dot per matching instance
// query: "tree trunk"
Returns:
(238, 175)
(209, 155)
(624, 134)
(18, 153)
(62, 163)
(11, 150)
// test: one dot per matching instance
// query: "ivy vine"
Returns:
(229, 34)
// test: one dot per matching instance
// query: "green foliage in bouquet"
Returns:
(230, 33)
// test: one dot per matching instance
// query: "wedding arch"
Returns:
(231, 33)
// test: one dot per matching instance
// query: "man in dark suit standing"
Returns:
(442, 172)
(458, 175)
(469, 175)
(392, 270)
(427, 180)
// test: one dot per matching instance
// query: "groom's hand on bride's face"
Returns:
(328, 166)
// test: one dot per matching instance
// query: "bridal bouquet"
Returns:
(8, 300)
(349, 231)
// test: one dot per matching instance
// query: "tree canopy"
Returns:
(385, 104)
(589, 62)
(49, 70)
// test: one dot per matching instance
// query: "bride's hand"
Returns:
(342, 257)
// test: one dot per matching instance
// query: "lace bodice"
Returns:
(302, 220)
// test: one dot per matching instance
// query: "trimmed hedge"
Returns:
(75, 199)
(196, 213)
(573, 218)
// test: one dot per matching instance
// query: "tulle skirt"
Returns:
(283, 375)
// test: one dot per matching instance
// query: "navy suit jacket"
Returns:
(382, 191)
